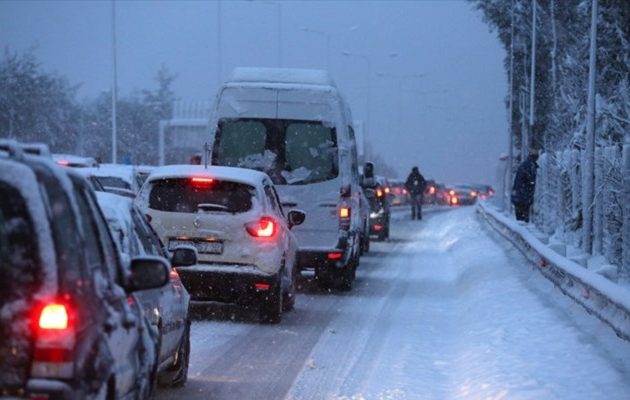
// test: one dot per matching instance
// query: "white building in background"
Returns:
(185, 133)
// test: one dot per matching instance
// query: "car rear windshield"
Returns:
(114, 182)
(289, 151)
(190, 196)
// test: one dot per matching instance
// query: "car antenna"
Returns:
(206, 154)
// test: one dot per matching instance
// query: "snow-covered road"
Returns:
(445, 310)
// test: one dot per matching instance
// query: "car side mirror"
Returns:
(296, 217)
(184, 256)
(148, 272)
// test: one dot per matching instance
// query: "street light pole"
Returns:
(219, 48)
(115, 85)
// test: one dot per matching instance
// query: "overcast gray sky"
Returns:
(451, 122)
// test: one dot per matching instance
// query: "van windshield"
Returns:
(291, 152)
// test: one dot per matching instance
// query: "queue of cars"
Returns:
(101, 292)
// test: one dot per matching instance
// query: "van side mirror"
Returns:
(148, 272)
(184, 256)
(296, 217)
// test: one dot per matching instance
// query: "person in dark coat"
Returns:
(524, 185)
(416, 184)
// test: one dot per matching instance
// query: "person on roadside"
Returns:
(524, 186)
(416, 185)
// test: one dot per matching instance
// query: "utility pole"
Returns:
(506, 195)
(532, 90)
(219, 48)
(589, 167)
(114, 86)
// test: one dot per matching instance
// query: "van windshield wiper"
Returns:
(211, 207)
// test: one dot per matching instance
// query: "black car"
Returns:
(379, 212)
(70, 324)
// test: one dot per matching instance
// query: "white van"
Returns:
(294, 125)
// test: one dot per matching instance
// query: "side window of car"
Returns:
(110, 252)
(271, 199)
(93, 252)
(148, 238)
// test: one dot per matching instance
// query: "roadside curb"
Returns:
(601, 297)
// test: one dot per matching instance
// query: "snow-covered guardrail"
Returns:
(601, 297)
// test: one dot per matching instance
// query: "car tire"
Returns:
(183, 358)
(271, 307)
(288, 303)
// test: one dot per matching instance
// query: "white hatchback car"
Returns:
(246, 250)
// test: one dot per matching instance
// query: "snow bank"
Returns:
(605, 299)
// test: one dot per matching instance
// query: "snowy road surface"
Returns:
(445, 310)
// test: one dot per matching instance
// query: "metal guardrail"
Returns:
(599, 296)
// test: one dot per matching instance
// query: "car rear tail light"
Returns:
(473, 194)
(454, 200)
(388, 189)
(201, 182)
(379, 193)
(405, 191)
(54, 341)
(432, 190)
(451, 192)
(378, 227)
(397, 190)
(345, 214)
(262, 286)
(335, 255)
(266, 227)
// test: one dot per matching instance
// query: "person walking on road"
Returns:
(524, 186)
(416, 184)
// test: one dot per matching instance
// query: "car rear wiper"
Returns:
(211, 207)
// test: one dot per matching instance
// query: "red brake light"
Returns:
(454, 200)
(432, 190)
(451, 192)
(202, 182)
(335, 256)
(397, 190)
(387, 190)
(473, 194)
(53, 316)
(404, 191)
(379, 193)
(265, 227)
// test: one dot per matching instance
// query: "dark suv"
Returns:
(70, 326)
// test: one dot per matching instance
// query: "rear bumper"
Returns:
(225, 283)
(51, 389)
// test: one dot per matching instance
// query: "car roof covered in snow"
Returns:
(282, 75)
(241, 175)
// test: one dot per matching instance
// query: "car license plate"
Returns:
(202, 246)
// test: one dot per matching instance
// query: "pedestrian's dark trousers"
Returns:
(522, 212)
(416, 206)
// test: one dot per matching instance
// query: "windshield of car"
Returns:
(290, 152)
(185, 195)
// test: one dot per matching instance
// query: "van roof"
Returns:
(282, 75)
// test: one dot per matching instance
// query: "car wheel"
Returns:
(288, 303)
(271, 307)
(182, 359)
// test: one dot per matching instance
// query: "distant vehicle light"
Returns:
(387, 190)
(473, 194)
(397, 190)
(344, 212)
(432, 190)
(454, 200)
(451, 192)
(405, 191)
(379, 193)
(266, 227)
